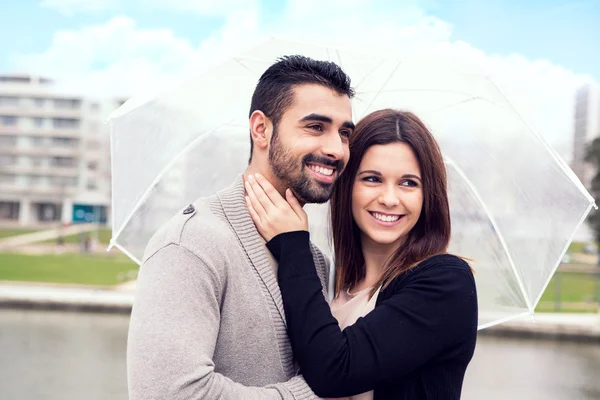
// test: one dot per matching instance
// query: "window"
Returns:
(94, 107)
(92, 165)
(9, 210)
(59, 123)
(38, 141)
(8, 140)
(92, 185)
(15, 79)
(36, 161)
(38, 122)
(7, 159)
(35, 180)
(9, 101)
(64, 181)
(64, 142)
(48, 211)
(8, 178)
(62, 161)
(8, 120)
(68, 104)
(39, 102)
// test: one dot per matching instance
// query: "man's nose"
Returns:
(333, 146)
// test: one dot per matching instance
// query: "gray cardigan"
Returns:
(208, 319)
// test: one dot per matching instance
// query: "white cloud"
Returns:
(114, 57)
(118, 56)
(71, 7)
(204, 7)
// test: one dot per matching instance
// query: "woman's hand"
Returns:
(271, 213)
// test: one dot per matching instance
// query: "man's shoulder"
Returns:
(318, 254)
(194, 227)
(323, 265)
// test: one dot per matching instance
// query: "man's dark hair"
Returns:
(274, 92)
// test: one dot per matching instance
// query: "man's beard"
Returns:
(293, 173)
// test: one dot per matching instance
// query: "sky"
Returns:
(542, 50)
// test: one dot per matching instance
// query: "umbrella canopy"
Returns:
(515, 204)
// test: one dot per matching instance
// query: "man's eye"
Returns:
(316, 127)
(345, 133)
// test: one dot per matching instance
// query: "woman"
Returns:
(409, 309)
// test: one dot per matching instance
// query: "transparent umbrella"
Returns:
(515, 204)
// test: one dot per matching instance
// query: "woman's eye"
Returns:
(372, 179)
(409, 183)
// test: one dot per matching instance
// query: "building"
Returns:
(54, 154)
(586, 129)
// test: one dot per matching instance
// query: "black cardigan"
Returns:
(415, 344)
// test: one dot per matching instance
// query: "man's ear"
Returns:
(261, 130)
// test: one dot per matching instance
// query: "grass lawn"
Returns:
(8, 232)
(576, 292)
(577, 247)
(104, 235)
(65, 268)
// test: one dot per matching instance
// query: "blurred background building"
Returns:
(586, 129)
(54, 154)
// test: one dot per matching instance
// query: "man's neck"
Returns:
(268, 175)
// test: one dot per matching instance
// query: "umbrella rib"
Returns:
(427, 90)
(339, 56)
(126, 252)
(112, 184)
(462, 102)
(369, 74)
(157, 179)
(445, 91)
(581, 221)
(498, 232)
(383, 85)
(503, 320)
(237, 60)
(565, 168)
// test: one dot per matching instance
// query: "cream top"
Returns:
(347, 309)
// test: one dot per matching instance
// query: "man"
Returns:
(208, 319)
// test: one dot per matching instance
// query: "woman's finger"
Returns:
(256, 204)
(271, 192)
(260, 195)
(294, 203)
(252, 212)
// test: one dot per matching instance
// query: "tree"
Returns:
(592, 157)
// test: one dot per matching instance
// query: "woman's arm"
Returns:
(435, 310)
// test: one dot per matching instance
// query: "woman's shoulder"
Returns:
(442, 266)
(444, 260)
(445, 275)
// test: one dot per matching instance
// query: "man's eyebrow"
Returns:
(326, 119)
(348, 124)
(317, 117)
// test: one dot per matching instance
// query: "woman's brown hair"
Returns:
(431, 233)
